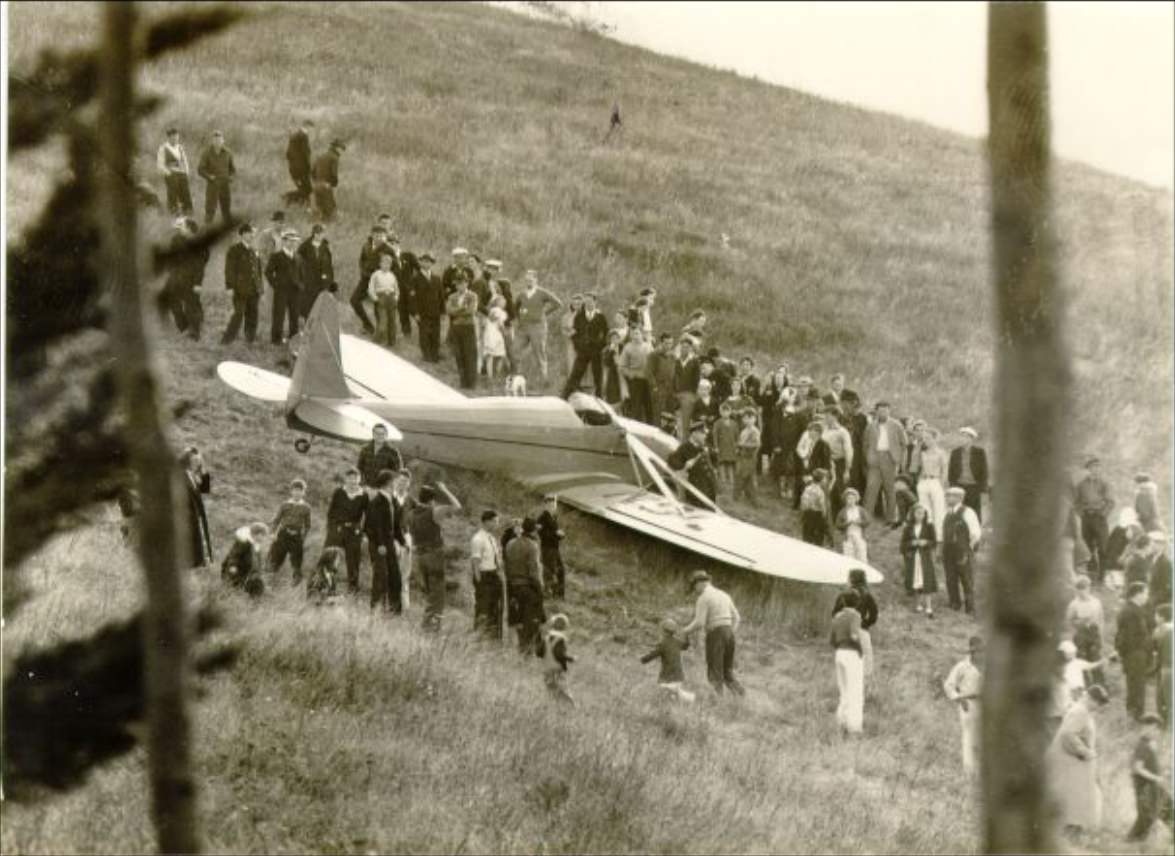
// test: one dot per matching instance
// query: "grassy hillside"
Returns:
(858, 244)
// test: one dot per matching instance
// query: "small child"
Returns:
(814, 509)
(1151, 799)
(493, 339)
(384, 292)
(1075, 668)
(668, 651)
(749, 440)
(726, 443)
(552, 648)
(241, 568)
(290, 527)
(852, 522)
(323, 581)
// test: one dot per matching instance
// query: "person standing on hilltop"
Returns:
(284, 272)
(968, 470)
(659, 370)
(370, 253)
(963, 686)
(846, 637)
(318, 268)
(298, 161)
(715, 612)
(242, 278)
(428, 294)
(532, 307)
(960, 538)
(217, 169)
(884, 443)
(172, 161)
(461, 308)
(198, 484)
(324, 176)
(590, 339)
(1093, 503)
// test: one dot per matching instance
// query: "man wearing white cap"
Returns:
(968, 470)
(960, 537)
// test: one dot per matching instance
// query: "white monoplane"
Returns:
(596, 460)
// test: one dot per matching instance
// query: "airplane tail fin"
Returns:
(318, 370)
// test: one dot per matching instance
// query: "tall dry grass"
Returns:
(858, 244)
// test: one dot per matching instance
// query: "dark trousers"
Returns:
(814, 526)
(306, 298)
(554, 574)
(1095, 532)
(487, 605)
(973, 499)
(285, 306)
(464, 339)
(1151, 804)
(1163, 695)
(187, 311)
(527, 600)
(385, 578)
(351, 540)
(179, 193)
(957, 567)
(1134, 668)
(839, 486)
(579, 367)
(244, 309)
(431, 563)
(218, 193)
(430, 339)
(301, 178)
(360, 309)
(324, 200)
(640, 405)
(287, 543)
(720, 660)
(405, 313)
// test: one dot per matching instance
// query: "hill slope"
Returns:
(858, 244)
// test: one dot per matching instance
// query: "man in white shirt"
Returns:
(532, 307)
(960, 538)
(963, 686)
(485, 558)
(885, 443)
(715, 613)
(172, 161)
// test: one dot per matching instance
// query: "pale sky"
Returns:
(1112, 64)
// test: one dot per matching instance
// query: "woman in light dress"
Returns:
(493, 340)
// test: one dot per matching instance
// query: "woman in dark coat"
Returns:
(918, 540)
(197, 483)
(768, 399)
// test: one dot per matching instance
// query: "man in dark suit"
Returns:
(318, 270)
(377, 456)
(379, 524)
(885, 443)
(428, 295)
(968, 470)
(686, 374)
(375, 246)
(242, 276)
(692, 459)
(589, 339)
(856, 422)
(284, 273)
(197, 484)
(324, 177)
(298, 159)
(402, 267)
(1133, 643)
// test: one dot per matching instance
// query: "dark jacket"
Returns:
(284, 272)
(380, 522)
(298, 153)
(345, 513)
(686, 375)
(1160, 581)
(428, 294)
(702, 475)
(326, 168)
(242, 271)
(1134, 630)
(590, 336)
(216, 165)
(978, 466)
(867, 606)
(449, 278)
(369, 259)
(318, 269)
(372, 462)
(243, 560)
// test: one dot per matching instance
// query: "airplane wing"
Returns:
(375, 372)
(716, 536)
(342, 420)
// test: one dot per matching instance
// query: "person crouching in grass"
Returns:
(671, 680)
(323, 582)
(241, 568)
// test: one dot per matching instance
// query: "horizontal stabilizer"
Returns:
(254, 382)
(339, 419)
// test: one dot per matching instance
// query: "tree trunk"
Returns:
(1032, 407)
(173, 792)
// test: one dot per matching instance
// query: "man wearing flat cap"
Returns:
(324, 176)
(1093, 503)
(968, 469)
(960, 537)
(715, 613)
(284, 274)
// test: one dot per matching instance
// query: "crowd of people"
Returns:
(847, 469)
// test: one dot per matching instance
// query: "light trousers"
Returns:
(850, 683)
(969, 726)
(930, 494)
